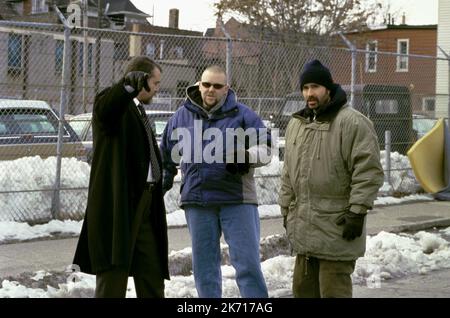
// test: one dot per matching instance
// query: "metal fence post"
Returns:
(85, 53)
(353, 75)
(229, 59)
(387, 152)
(56, 200)
(447, 56)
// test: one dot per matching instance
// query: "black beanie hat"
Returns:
(315, 72)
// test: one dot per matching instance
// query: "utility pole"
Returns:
(97, 47)
(85, 54)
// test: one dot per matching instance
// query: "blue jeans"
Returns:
(240, 226)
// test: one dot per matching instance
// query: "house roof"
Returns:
(405, 27)
(210, 32)
(397, 27)
(165, 30)
(115, 6)
(121, 6)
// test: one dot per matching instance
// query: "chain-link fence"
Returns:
(45, 146)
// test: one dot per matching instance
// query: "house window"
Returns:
(429, 104)
(150, 50)
(120, 51)
(15, 52)
(371, 56)
(402, 61)
(118, 20)
(59, 55)
(178, 52)
(38, 6)
(81, 58)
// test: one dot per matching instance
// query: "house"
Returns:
(31, 63)
(416, 73)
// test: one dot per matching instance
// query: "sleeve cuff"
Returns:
(358, 209)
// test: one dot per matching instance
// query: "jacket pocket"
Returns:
(325, 213)
(329, 204)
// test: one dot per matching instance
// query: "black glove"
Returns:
(285, 221)
(353, 225)
(239, 167)
(135, 81)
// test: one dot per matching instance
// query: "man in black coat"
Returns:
(125, 231)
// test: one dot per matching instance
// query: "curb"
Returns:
(411, 227)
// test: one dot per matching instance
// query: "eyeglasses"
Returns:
(215, 85)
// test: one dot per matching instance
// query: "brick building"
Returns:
(375, 67)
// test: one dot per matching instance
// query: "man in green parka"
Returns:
(330, 178)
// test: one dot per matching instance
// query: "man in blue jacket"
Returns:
(217, 142)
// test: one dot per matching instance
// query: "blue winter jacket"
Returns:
(205, 182)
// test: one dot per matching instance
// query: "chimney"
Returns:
(135, 42)
(173, 18)
(27, 7)
(403, 18)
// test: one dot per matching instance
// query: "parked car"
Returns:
(82, 125)
(388, 106)
(30, 128)
(422, 124)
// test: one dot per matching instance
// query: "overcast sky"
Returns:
(198, 15)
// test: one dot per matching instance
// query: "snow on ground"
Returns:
(36, 177)
(408, 198)
(21, 231)
(15, 231)
(388, 256)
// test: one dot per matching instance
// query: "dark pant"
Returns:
(319, 278)
(145, 266)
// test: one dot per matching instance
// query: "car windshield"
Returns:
(20, 123)
(423, 125)
(78, 125)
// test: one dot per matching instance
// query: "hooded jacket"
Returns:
(332, 165)
(198, 136)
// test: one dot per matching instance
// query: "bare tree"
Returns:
(294, 19)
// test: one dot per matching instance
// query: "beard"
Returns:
(319, 103)
(210, 105)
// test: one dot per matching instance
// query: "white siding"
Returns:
(442, 72)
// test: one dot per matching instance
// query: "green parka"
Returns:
(332, 165)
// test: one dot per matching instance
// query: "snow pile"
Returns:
(388, 256)
(33, 178)
(28, 174)
(14, 231)
(402, 176)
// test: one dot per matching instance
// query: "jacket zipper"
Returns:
(320, 143)
(306, 264)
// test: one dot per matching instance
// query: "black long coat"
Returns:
(117, 182)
